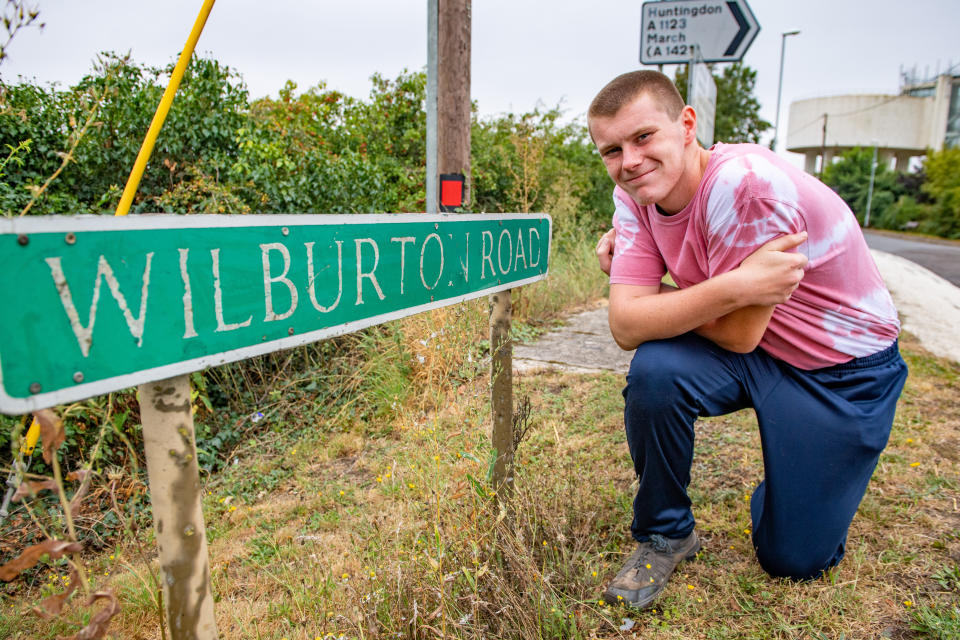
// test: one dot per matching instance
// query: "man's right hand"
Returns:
(771, 274)
(605, 250)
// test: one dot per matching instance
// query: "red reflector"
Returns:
(451, 191)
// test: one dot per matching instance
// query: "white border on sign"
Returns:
(133, 222)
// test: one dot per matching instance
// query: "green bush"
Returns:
(943, 186)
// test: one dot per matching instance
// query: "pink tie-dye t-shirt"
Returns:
(748, 196)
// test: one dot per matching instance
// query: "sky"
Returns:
(525, 53)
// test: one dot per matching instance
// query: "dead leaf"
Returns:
(51, 432)
(79, 474)
(83, 474)
(52, 605)
(33, 487)
(98, 623)
(31, 556)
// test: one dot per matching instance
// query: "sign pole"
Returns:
(175, 493)
(501, 392)
(454, 158)
(432, 55)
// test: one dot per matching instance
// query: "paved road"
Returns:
(941, 257)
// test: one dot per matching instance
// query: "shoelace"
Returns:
(658, 544)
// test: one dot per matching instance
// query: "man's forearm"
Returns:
(740, 330)
(641, 314)
(765, 278)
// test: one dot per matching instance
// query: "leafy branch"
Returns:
(16, 16)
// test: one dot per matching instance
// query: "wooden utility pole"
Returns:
(453, 90)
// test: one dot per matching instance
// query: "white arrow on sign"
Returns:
(674, 31)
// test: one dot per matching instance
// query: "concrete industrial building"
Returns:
(924, 115)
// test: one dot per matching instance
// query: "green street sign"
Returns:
(96, 303)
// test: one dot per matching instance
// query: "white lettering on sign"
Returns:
(423, 251)
(403, 246)
(268, 281)
(486, 255)
(218, 298)
(372, 274)
(188, 329)
(533, 231)
(84, 334)
(505, 232)
(520, 251)
(465, 261)
(311, 277)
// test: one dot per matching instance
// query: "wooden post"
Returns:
(501, 392)
(453, 138)
(175, 493)
(453, 90)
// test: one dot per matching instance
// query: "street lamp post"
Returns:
(776, 126)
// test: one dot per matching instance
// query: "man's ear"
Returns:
(689, 119)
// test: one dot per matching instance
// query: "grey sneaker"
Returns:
(646, 571)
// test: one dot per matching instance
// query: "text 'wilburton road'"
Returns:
(95, 304)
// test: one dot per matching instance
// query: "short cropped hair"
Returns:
(627, 87)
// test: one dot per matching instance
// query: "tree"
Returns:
(849, 176)
(738, 110)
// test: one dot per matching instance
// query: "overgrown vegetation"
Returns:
(316, 151)
(369, 513)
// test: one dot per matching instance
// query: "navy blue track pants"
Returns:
(821, 431)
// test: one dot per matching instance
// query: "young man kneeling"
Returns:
(778, 306)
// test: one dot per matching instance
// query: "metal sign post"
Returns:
(722, 31)
(702, 96)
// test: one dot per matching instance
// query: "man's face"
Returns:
(643, 149)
